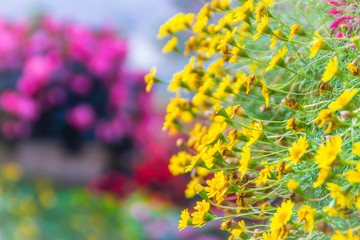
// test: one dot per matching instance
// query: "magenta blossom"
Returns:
(81, 117)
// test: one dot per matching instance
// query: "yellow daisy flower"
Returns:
(150, 79)
(330, 70)
(343, 100)
(297, 151)
(317, 43)
(278, 59)
(185, 219)
(353, 69)
(262, 27)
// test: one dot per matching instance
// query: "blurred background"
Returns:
(82, 152)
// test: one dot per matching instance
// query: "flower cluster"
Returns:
(64, 78)
(263, 80)
(345, 18)
(71, 82)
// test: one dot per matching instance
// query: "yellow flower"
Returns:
(227, 38)
(295, 29)
(334, 189)
(265, 92)
(354, 70)
(184, 219)
(200, 24)
(306, 214)
(357, 202)
(220, 4)
(150, 79)
(292, 185)
(179, 162)
(236, 232)
(330, 211)
(330, 70)
(253, 132)
(237, 51)
(343, 100)
(354, 176)
(274, 39)
(170, 45)
(317, 45)
(297, 151)
(259, 12)
(323, 173)
(243, 12)
(262, 27)
(202, 208)
(177, 23)
(190, 190)
(224, 88)
(218, 187)
(326, 154)
(264, 174)
(278, 59)
(208, 156)
(324, 116)
(291, 124)
(11, 171)
(244, 161)
(282, 216)
(339, 236)
(356, 149)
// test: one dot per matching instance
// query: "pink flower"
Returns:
(15, 129)
(81, 117)
(19, 105)
(81, 84)
(335, 11)
(37, 73)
